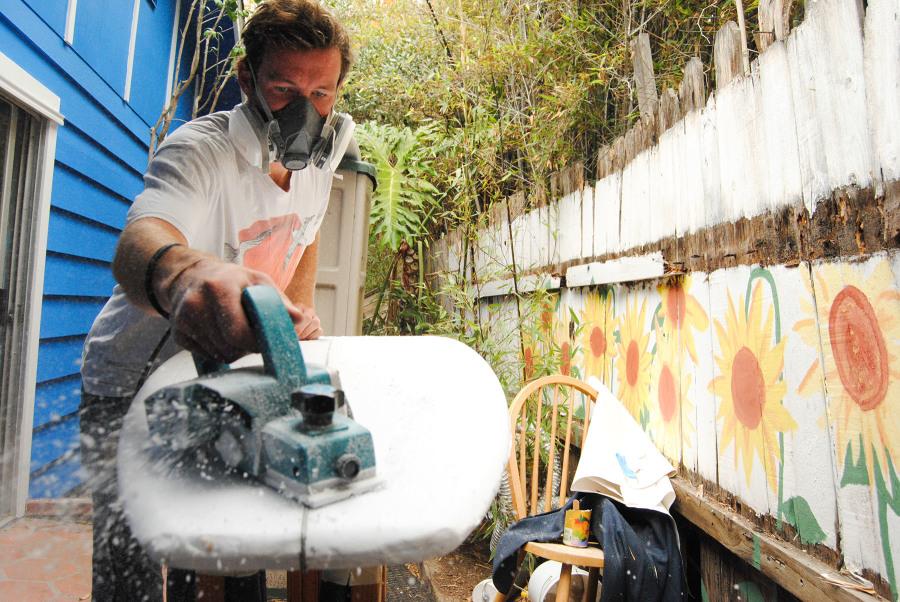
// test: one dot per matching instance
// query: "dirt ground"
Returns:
(454, 576)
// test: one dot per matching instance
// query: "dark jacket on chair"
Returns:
(642, 559)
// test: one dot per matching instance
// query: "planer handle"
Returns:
(275, 337)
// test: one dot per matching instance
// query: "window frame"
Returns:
(18, 87)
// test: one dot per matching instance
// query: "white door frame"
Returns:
(27, 92)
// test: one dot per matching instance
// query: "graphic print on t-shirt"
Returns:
(273, 246)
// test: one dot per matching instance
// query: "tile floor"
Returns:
(49, 560)
(43, 560)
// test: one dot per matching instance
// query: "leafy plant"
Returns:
(404, 199)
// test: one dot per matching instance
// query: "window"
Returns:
(29, 117)
(19, 137)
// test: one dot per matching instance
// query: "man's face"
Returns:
(283, 75)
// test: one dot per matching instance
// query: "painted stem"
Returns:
(886, 501)
(767, 276)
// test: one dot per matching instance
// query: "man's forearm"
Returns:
(137, 245)
(302, 288)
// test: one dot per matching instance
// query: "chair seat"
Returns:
(589, 557)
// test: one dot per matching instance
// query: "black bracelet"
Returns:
(148, 278)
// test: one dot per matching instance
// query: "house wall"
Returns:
(735, 283)
(101, 154)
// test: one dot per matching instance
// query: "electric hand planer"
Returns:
(284, 423)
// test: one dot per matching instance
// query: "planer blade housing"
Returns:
(284, 424)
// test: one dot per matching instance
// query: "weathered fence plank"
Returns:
(637, 219)
(742, 469)
(770, 15)
(801, 46)
(607, 203)
(780, 153)
(692, 90)
(569, 231)
(644, 77)
(831, 84)
(737, 121)
(882, 74)
(713, 212)
(669, 110)
(587, 221)
(859, 408)
(665, 187)
(727, 52)
(809, 499)
(689, 162)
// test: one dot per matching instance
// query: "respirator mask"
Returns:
(298, 136)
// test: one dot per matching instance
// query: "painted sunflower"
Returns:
(682, 312)
(597, 341)
(529, 349)
(750, 387)
(860, 322)
(633, 361)
(669, 398)
(562, 339)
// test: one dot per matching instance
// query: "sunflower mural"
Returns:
(598, 344)
(682, 313)
(529, 351)
(860, 330)
(547, 342)
(750, 386)
(564, 348)
(668, 397)
(633, 357)
(678, 318)
(856, 323)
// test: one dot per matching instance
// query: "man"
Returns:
(217, 214)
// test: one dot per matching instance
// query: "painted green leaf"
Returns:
(855, 473)
(798, 513)
(704, 595)
(750, 592)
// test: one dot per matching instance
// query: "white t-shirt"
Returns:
(206, 180)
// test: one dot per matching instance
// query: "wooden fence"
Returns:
(731, 273)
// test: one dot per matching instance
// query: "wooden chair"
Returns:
(549, 393)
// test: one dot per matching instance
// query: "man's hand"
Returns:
(201, 293)
(207, 315)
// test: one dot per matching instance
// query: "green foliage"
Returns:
(518, 89)
(404, 199)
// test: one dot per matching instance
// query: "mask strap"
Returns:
(272, 129)
(262, 101)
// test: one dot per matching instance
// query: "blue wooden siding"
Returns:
(101, 154)
(53, 12)
(102, 35)
(151, 55)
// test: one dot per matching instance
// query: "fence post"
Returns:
(692, 90)
(644, 78)
(727, 52)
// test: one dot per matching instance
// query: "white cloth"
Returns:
(619, 460)
(207, 181)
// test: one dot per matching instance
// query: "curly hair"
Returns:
(294, 25)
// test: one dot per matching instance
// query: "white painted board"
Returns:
(423, 418)
(882, 65)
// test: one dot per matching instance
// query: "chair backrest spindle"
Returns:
(522, 491)
(548, 485)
